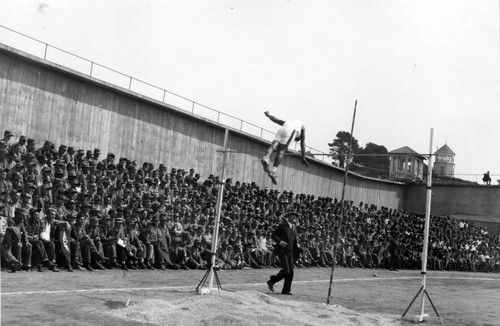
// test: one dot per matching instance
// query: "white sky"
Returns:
(412, 65)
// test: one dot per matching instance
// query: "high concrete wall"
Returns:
(474, 200)
(48, 102)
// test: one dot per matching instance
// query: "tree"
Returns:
(339, 148)
(373, 166)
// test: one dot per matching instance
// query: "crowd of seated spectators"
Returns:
(73, 209)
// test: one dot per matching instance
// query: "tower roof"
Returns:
(444, 150)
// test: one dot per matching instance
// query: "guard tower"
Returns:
(406, 165)
(444, 165)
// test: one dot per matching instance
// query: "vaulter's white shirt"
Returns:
(290, 130)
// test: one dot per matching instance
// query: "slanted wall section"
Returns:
(45, 101)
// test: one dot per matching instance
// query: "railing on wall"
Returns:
(59, 56)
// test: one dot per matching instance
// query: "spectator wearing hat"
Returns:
(18, 149)
(178, 253)
(30, 146)
(95, 156)
(108, 240)
(158, 239)
(49, 234)
(196, 254)
(15, 245)
(287, 250)
(177, 227)
(85, 244)
(43, 199)
(74, 244)
(224, 258)
(33, 226)
(136, 261)
(94, 233)
(41, 151)
(123, 250)
(5, 141)
(110, 159)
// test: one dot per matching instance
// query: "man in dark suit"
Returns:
(287, 250)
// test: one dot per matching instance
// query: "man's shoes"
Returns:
(89, 268)
(265, 164)
(78, 267)
(124, 267)
(53, 268)
(270, 285)
(15, 266)
(272, 175)
(69, 268)
(287, 293)
(39, 268)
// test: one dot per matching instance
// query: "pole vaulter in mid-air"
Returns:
(292, 129)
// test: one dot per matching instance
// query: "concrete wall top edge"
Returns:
(164, 106)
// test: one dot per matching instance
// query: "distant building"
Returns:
(444, 164)
(406, 165)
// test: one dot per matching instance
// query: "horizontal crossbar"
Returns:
(320, 154)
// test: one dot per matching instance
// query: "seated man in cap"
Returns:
(123, 248)
(33, 226)
(292, 129)
(93, 231)
(15, 246)
(196, 255)
(158, 239)
(88, 250)
(49, 234)
(135, 245)
(108, 240)
(74, 244)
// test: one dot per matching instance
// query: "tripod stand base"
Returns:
(420, 318)
(204, 290)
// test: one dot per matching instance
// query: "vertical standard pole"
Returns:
(337, 236)
(426, 229)
(220, 197)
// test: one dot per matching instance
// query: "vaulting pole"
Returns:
(337, 236)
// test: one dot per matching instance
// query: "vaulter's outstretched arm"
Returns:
(274, 119)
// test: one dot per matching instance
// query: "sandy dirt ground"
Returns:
(359, 297)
